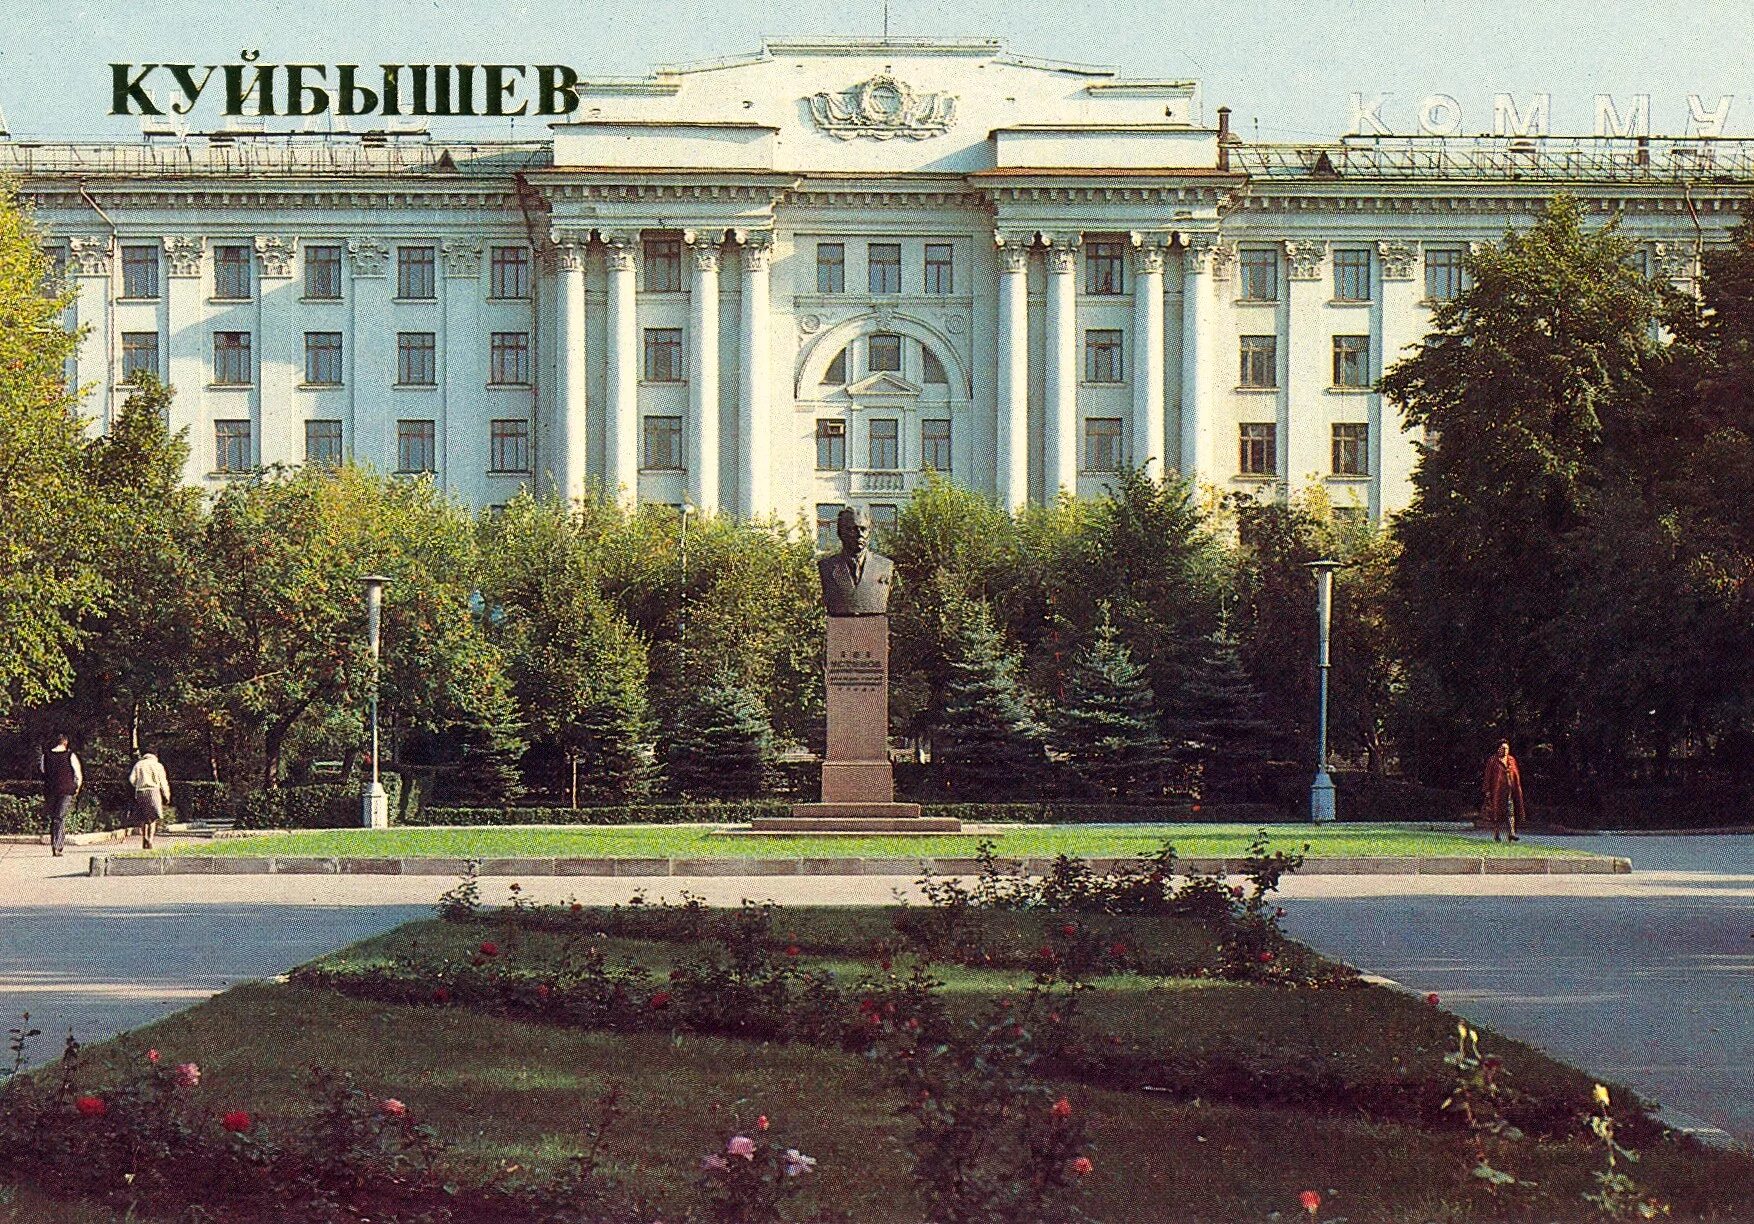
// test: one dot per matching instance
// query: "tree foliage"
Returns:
(1105, 722)
(990, 743)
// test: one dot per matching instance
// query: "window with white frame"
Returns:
(940, 272)
(509, 359)
(508, 445)
(827, 524)
(416, 446)
(935, 444)
(1443, 273)
(1351, 450)
(1258, 450)
(883, 352)
(831, 267)
(884, 449)
(323, 359)
(883, 264)
(140, 272)
(416, 273)
(1105, 262)
(231, 446)
(663, 265)
(1102, 444)
(416, 359)
(1259, 362)
(831, 445)
(509, 272)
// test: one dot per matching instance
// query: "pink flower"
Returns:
(91, 1107)
(1069, 930)
(1312, 1202)
(152, 1056)
(1431, 999)
(1062, 1108)
(797, 1162)
(489, 948)
(761, 1123)
(714, 1161)
(1081, 1166)
(188, 1075)
(237, 1121)
(542, 990)
(392, 1108)
(741, 1145)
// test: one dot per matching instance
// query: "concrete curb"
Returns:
(215, 864)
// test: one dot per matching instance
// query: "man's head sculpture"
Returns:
(855, 580)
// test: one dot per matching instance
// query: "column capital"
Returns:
(569, 254)
(1148, 252)
(757, 249)
(618, 251)
(462, 257)
(1305, 258)
(276, 256)
(89, 254)
(1198, 252)
(1013, 251)
(370, 257)
(183, 254)
(705, 248)
(1397, 258)
(1063, 253)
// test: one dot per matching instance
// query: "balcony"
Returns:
(866, 481)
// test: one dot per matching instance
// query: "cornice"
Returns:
(1486, 200)
(187, 196)
(1110, 193)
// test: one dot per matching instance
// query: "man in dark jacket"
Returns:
(62, 778)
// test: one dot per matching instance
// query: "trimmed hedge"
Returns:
(739, 811)
(318, 805)
(23, 814)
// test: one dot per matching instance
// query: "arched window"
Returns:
(932, 368)
(836, 374)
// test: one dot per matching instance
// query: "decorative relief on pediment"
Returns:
(1398, 259)
(370, 257)
(883, 108)
(276, 256)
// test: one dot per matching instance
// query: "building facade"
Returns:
(811, 277)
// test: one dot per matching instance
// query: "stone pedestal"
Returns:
(858, 783)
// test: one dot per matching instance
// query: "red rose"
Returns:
(392, 1108)
(1117, 949)
(1312, 1202)
(1045, 952)
(884, 963)
(1266, 958)
(237, 1121)
(542, 990)
(441, 995)
(1069, 930)
(1081, 1166)
(152, 1056)
(1431, 999)
(793, 950)
(1236, 890)
(489, 948)
(761, 1122)
(91, 1107)
(1062, 1108)
(1194, 807)
(577, 908)
(660, 1001)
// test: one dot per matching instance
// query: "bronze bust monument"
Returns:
(855, 580)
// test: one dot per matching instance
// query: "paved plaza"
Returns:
(1645, 978)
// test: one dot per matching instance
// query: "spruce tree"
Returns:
(722, 744)
(991, 743)
(1217, 722)
(491, 747)
(1106, 722)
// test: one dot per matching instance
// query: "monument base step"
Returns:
(855, 818)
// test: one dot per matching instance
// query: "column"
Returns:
(1011, 430)
(368, 353)
(621, 414)
(753, 430)
(279, 422)
(702, 425)
(1309, 346)
(95, 360)
(1060, 420)
(569, 471)
(1196, 424)
(1148, 423)
(1402, 323)
(465, 407)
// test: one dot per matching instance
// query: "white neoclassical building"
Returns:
(789, 281)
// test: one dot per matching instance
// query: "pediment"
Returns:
(883, 385)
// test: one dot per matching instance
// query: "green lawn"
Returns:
(695, 841)
(516, 1088)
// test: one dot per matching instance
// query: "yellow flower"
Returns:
(1601, 1095)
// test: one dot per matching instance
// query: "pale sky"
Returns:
(1289, 65)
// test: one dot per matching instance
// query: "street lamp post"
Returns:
(1321, 791)
(375, 804)
(682, 604)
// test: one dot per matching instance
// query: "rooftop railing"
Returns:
(285, 156)
(1657, 159)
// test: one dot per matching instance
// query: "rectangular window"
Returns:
(509, 272)
(1259, 453)
(231, 446)
(1351, 450)
(323, 443)
(1352, 361)
(416, 359)
(139, 353)
(1104, 264)
(1443, 273)
(883, 520)
(508, 445)
(1260, 362)
(509, 365)
(416, 446)
(231, 359)
(416, 273)
(323, 359)
(831, 446)
(231, 273)
(663, 444)
(1351, 275)
(663, 265)
(1102, 444)
(1102, 356)
(827, 519)
(323, 272)
(885, 448)
(140, 272)
(1260, 274)
(935, 444)
(831, 267)
(940, 269)
(664, 354)
(883, 352)
(884, 264)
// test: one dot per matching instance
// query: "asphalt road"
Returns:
(1648, 983)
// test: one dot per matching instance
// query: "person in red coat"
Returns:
(1502, 792)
